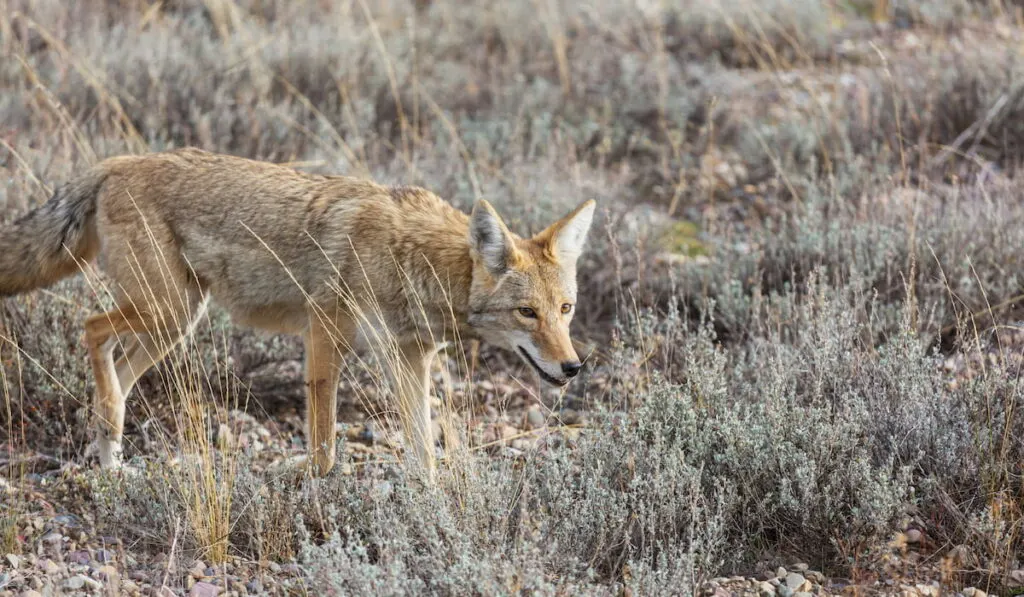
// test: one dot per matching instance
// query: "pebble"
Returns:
(104, 556)
(795, 581)
(535, 419)
(1016, 578)
(800, 567)
(75, 583)
(79, 557)
(204, 589)
(50, 567)
(569, 416)
(107, 572)
(92, 583)
(14, 561)
(254, 586)
(913, 536)
(781, 572)
(972, 592)
(67, 520)
(815, 576)
(766, 589)
(30, 593)
(198, 569)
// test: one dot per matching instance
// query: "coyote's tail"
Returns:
(51, 241)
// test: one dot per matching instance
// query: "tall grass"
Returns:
(818, 350)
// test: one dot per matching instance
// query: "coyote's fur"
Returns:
(342, 261)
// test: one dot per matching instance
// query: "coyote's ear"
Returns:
(564, 239)
(489, 239)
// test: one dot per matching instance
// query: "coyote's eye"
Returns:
(527, 312)
(566, 307)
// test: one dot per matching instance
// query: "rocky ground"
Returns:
(61, 552)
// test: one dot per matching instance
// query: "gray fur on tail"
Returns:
(51, 241)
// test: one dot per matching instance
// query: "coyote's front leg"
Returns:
(412, 378)
(326, 342)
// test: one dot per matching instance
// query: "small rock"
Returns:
(210, 572)
(275, 567)
(534, 419)
(795, 581)
(14, 561)
(254, 586)
(801, 567)
(92, 584)
(104, 556)
(785, 591)
(238, 587)
(50, 567)
(815, 577)
(291, 569)
(781, 572)
(204, 589)
(198, 569)
(1016, 578)
(972, 592)
(803, 594)
(67, 520)
(107, 572)
(569, 416)
(928, 590)
(53, 539)
(913, 536)
(79, 557)
(30, 593)
(75, 583)
(370, 433)
(765, 589)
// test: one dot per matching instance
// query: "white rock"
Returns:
(795, 581)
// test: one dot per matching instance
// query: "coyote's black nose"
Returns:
(571, 368)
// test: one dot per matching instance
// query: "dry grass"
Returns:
(804, 288)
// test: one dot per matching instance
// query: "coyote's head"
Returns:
(523, 294)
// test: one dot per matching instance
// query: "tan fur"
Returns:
(346, 263)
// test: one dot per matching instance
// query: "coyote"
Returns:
(344, 262)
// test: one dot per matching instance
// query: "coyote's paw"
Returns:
(107, 452)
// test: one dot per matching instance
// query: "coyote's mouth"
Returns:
(543, 374)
